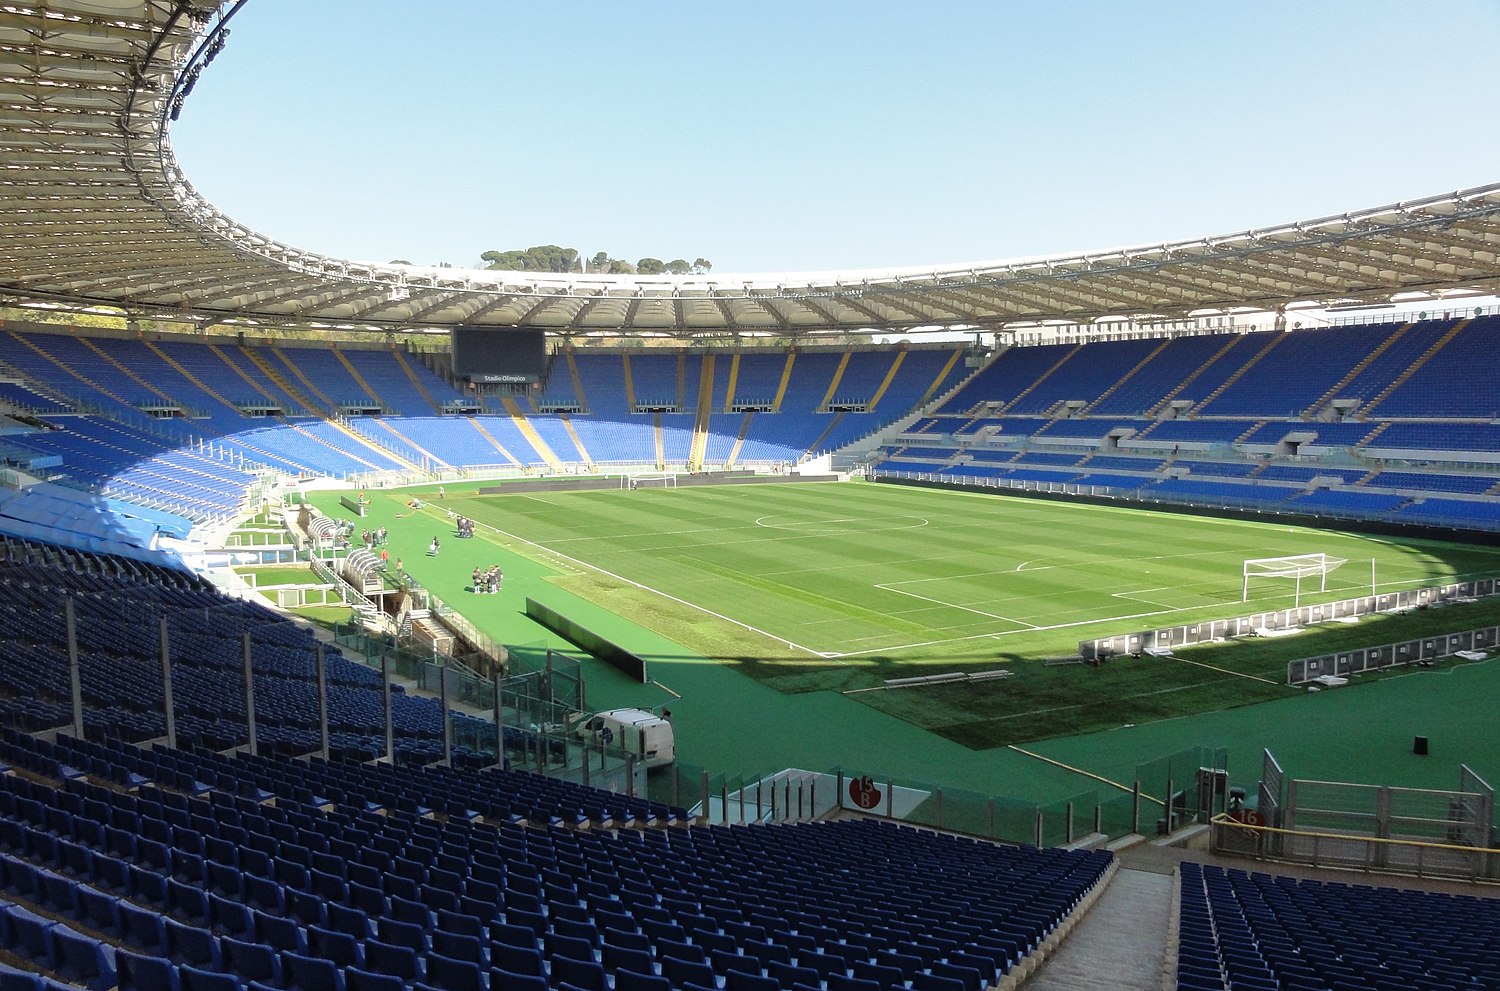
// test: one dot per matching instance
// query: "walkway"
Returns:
(1119, 945)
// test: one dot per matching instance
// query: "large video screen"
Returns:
(488, 354)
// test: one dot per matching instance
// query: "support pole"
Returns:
(75, 676)
(445, 715)
(249, 694)
(385, 701)
(168, 709)
(322, 665)
(499, 726)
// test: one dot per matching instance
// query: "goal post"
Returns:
(1295, 566)
(663, 480)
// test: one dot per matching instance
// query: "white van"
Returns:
(637, 731)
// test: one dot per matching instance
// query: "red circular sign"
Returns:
(863, 793)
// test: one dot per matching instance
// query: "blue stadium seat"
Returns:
(141, 972)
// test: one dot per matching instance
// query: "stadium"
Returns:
(1106, 619)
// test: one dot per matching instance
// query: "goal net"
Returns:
(664, 481)
(1295, 567)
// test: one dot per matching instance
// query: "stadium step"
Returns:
(890, 376)
(1120, 944)
(1166, 401)
(1041, 378)
(1251, 432)
(734, 380)
(1412, 369)
(29, 342)
(941, 377)
(698, 447)
(358, 378)
(583, 454)
(583, 401)
(1128, 375)
(1239, 373)
(124, 370)
(529, 432)
(269, 371)
(786, 377)
(739, 441)
(308, 384)
(838, 375)
(411, 374)
(629, 382)
(296, 404)
(1355, 372)
(1367, 438)
(432, 459)
(485, 433)
(178, 367)
(815, 446)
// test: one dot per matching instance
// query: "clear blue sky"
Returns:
(779, 135)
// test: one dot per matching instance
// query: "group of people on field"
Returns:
(488, 581)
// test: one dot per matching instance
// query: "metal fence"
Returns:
(1164, 794)
(1284, 619)
(1370, 826)
(1422, 650)
(1234, 837)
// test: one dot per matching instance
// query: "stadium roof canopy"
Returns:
(95, 212)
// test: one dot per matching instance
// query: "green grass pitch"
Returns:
(817, 587)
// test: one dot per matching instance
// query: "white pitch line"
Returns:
(672, 598)
(1037, 629)
(953, 605)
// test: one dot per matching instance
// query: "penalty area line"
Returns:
(665, 595)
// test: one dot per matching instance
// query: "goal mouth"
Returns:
(653, 480)
(1294, 566)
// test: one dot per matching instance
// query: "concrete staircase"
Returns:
(1424, 358)
(1119, 945)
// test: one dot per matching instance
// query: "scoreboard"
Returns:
(499, 355)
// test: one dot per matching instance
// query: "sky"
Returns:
(821, 135)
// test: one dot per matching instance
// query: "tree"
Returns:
(600, 262)
(702, 266)
(679, 266)
(537, 258)
(619, 267)
(650, 266)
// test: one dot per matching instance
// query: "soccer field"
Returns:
(837, 587)
(858, 572)
(712, 584)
